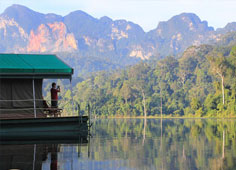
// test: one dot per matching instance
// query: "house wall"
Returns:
(16, 98)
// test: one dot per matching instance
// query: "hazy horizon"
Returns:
(216, 13)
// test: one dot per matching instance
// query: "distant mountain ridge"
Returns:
(23, 30)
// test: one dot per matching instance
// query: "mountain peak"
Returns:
(27, 18)
(105, 19)
(194, 19)
(184, 22)
(230, 27)
(80, 14)
(189, 15)
(17, 7)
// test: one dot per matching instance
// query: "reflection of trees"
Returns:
(161, 144)
(144, 130)
(169, 144)
(223, 145)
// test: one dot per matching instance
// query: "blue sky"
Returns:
(146, 13)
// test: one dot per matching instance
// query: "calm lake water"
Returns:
(130, 144)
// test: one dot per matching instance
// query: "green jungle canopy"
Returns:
(33, 66)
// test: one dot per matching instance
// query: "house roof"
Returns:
(33, 66)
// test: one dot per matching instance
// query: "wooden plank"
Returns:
(72, 139)
(59, 135)
(20, 115)
(43, 120)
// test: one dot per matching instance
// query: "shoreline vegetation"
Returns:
(199, 84)
(165, 117)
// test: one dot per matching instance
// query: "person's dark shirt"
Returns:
(54, 92)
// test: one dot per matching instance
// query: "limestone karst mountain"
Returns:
(122, 42)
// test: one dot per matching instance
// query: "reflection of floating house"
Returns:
(21, 78)
(40, 155)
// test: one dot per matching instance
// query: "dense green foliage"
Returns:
(193, 85)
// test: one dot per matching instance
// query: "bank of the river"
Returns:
(166, 117)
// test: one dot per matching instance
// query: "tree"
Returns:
(166, 74)
(232, 60)
(219, 66)
(138, 77)
(125, 91)
(186, 67)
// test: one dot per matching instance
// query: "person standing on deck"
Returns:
(54, 96)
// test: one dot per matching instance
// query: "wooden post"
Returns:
(34, 100)
(35, 147)
(80, 116)
(89, 146)
(89, 114)
(73, 106)
(78, 109)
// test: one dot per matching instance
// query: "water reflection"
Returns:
(42, 155)
(167, 144)
(133, 144)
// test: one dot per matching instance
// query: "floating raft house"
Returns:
(21, 79)
(21, 99)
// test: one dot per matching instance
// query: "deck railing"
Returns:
(75, 107)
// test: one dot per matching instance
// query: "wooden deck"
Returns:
(43, 113)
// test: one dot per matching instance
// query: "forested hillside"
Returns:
(200, 83)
